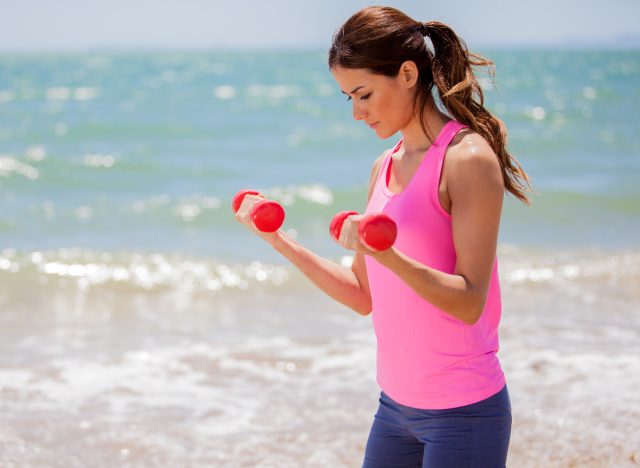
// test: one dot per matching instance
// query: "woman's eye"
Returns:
(362, 98)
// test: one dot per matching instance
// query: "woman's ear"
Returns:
(408, 73)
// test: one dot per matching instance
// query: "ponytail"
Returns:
(462, 97)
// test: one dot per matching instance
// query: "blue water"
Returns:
(140, 324)
(144, 151)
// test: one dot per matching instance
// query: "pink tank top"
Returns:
(426, 358)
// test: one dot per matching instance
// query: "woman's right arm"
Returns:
(349, 286)
(339, 282)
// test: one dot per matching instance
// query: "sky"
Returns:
(46, 25)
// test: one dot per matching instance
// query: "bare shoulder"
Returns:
(469, 156)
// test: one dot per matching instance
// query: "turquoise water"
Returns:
(141, 325)
(145, 151)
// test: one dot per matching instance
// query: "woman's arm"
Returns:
(475, 188)
(349, 286)
(337, 281)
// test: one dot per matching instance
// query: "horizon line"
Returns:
(566, 45)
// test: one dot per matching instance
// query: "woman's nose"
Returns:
(358, 111)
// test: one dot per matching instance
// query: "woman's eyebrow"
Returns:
(354, 90)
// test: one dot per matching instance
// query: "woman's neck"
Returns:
(414, 140)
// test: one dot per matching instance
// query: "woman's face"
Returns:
(384, 103)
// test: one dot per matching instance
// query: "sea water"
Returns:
(141, 325)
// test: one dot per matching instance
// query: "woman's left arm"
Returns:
(473, 181)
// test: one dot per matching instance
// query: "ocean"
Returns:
(141, 325)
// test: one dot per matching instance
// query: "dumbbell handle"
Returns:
(267, 215)
(377, 230)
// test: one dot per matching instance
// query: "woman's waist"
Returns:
(421, 329)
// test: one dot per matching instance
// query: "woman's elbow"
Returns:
(364, 308)
(473, 311)
(472, 318)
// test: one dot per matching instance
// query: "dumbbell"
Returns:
(267, 215)
(377, 230)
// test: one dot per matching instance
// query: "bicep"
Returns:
(476, 190)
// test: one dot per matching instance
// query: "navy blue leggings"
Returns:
(475, 435)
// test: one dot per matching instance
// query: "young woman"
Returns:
(434, 295)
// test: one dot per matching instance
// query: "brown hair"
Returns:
(380, 39)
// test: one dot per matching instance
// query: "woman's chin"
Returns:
(383, 134)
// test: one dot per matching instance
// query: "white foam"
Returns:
(589, 92)
(83, 212)
(60, 93)
(313, 193)
(152, 271)
(99, 160)
(10, 166)
(6, 96)
(86, 93)
(586, 273)
(537, 113)
(273, 92)
(35, 152)
(224, 92)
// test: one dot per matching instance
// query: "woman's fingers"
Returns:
(350, 237)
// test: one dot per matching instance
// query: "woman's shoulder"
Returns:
(471, 168)
(469, 151)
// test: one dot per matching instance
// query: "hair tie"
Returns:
(423, 29)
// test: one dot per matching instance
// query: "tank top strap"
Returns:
(447, 134)
(383, 172)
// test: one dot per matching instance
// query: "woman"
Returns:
(434, 295)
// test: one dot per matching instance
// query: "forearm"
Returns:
(452, 293)
(337, 281)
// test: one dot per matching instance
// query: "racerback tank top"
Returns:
(427, 358)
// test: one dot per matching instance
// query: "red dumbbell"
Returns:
(377, 230)
(266, 215)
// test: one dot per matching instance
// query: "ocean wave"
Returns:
(313, 193)
(522, 265)
(145, 272)
(594, 279)
(614, 272)
(10, 166)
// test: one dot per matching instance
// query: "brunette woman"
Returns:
(435, 294)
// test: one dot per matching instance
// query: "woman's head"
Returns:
(378, 43)
(383, 40)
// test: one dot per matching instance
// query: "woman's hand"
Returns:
(350, 237)
(347, 286)
(243, 215)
